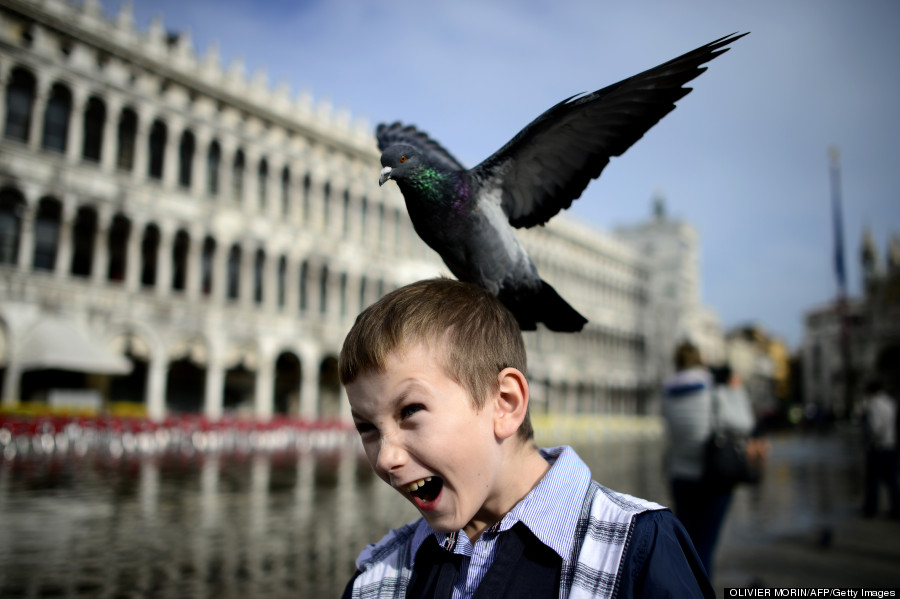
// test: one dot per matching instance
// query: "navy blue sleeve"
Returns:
(660, 561)
(348, 590)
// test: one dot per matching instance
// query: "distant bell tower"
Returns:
(659, 206)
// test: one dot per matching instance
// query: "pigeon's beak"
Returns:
(385, 175)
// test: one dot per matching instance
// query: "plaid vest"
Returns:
(592, 570)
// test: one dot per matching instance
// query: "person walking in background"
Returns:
(687, 407)
(879, 419)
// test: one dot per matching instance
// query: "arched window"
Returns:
(94, 119)
(46, 234)
(12, 207)
(213, 160)
(307, 184)
(263, 183)
(345, 216)
(237, 177)
(206, 265)
(363, 213)
(282, 281)
(326, 204)
(119, 231)
(259, 275)
(19, 104)
(149, 255)
(303, 286)
(285, 191)
(343, 295)
(84, 234)
(234, 273)
(157, 147)
(56, 119)
(180, 260)
(128, 122)
(362, 294)
(185, 159)
(323, 290)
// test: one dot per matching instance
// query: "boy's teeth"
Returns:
(416, 484)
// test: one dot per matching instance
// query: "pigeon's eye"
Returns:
(403, 158)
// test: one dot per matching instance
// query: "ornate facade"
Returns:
(207, 240)
(847, 343)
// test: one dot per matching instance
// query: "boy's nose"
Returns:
(391, 455)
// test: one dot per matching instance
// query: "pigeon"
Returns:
(467, 215)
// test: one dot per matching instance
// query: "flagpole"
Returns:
(834, 160)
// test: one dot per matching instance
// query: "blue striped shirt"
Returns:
(550, 511)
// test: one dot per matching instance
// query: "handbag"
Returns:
(727, 462)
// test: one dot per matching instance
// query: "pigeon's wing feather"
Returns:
(548, 164)
(397, 132)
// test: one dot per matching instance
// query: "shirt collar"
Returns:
(550, 510)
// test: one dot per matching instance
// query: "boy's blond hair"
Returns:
(473, 333)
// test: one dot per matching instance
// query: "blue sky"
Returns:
(744, 157)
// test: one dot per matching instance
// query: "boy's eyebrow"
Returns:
(401, 396)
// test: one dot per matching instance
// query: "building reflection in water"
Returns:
(274, 525)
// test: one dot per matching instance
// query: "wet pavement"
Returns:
(803, 527)
(280, 524)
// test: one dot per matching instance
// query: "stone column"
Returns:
(133, 260)
(270, 282)
(220, 272)
(251, 199)
(313, 287)
(316, 203)
(38, 108)
(226, 170)
(295, 195)
(155, 397)
(11, 382)
(171, 152)
(100, 261)
(110, 134)
(141, 145)
(291, 284)
(274, 195)
(309, 385)
(351, 296)
(247, 282)
(215, 387)
(75, 134)
(5, 76)
(194, 263)
(265, 388)
(64, 245)
(164, 260)
(198, 166)
(26, 239)
(354, 214)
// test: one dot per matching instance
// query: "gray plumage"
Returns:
(467, 215)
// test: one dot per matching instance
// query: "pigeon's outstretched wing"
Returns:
(549, 163)
(398, 133)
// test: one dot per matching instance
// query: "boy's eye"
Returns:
(409, 410)
(363, 427)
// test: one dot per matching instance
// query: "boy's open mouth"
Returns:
(425, 490)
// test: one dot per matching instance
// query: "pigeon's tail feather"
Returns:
(556, 313)
(548, 307)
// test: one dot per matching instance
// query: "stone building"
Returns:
(848, 342)
(671, 249)
(201, 242)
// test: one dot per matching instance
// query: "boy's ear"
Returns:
(511, 402)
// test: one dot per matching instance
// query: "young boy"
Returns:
(435, 375)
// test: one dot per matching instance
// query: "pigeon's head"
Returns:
(399, 160)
